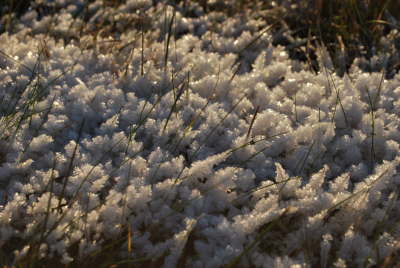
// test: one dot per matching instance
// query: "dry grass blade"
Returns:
(248, 193)
(335, 208)
(46, 114)
(73, 199)
(338, 100)
(381, 227)
(263, 149)
(193, 120)
(70, 165)
(36, 248)
(267, 227)
(16, 61)
(142, 121)
(372, 112)
(142, 48)
(169, 34)
(252, 122)
(385, 23)
(173, 107)
(253, 41)
(76, 194)
(376, 99)
(216, 126)
(129, 239)
(330, 80)
(302, 163)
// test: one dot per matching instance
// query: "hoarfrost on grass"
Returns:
(200, 153)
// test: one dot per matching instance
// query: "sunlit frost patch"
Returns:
(222, 150)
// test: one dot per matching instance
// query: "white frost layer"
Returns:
(89, 146)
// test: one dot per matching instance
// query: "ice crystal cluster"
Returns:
(182, 138)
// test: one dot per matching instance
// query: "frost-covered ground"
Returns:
(133, 133)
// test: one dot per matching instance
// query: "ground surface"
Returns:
(194, 135)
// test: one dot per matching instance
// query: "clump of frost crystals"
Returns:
(220, 151)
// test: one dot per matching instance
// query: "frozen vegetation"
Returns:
(177, 138)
